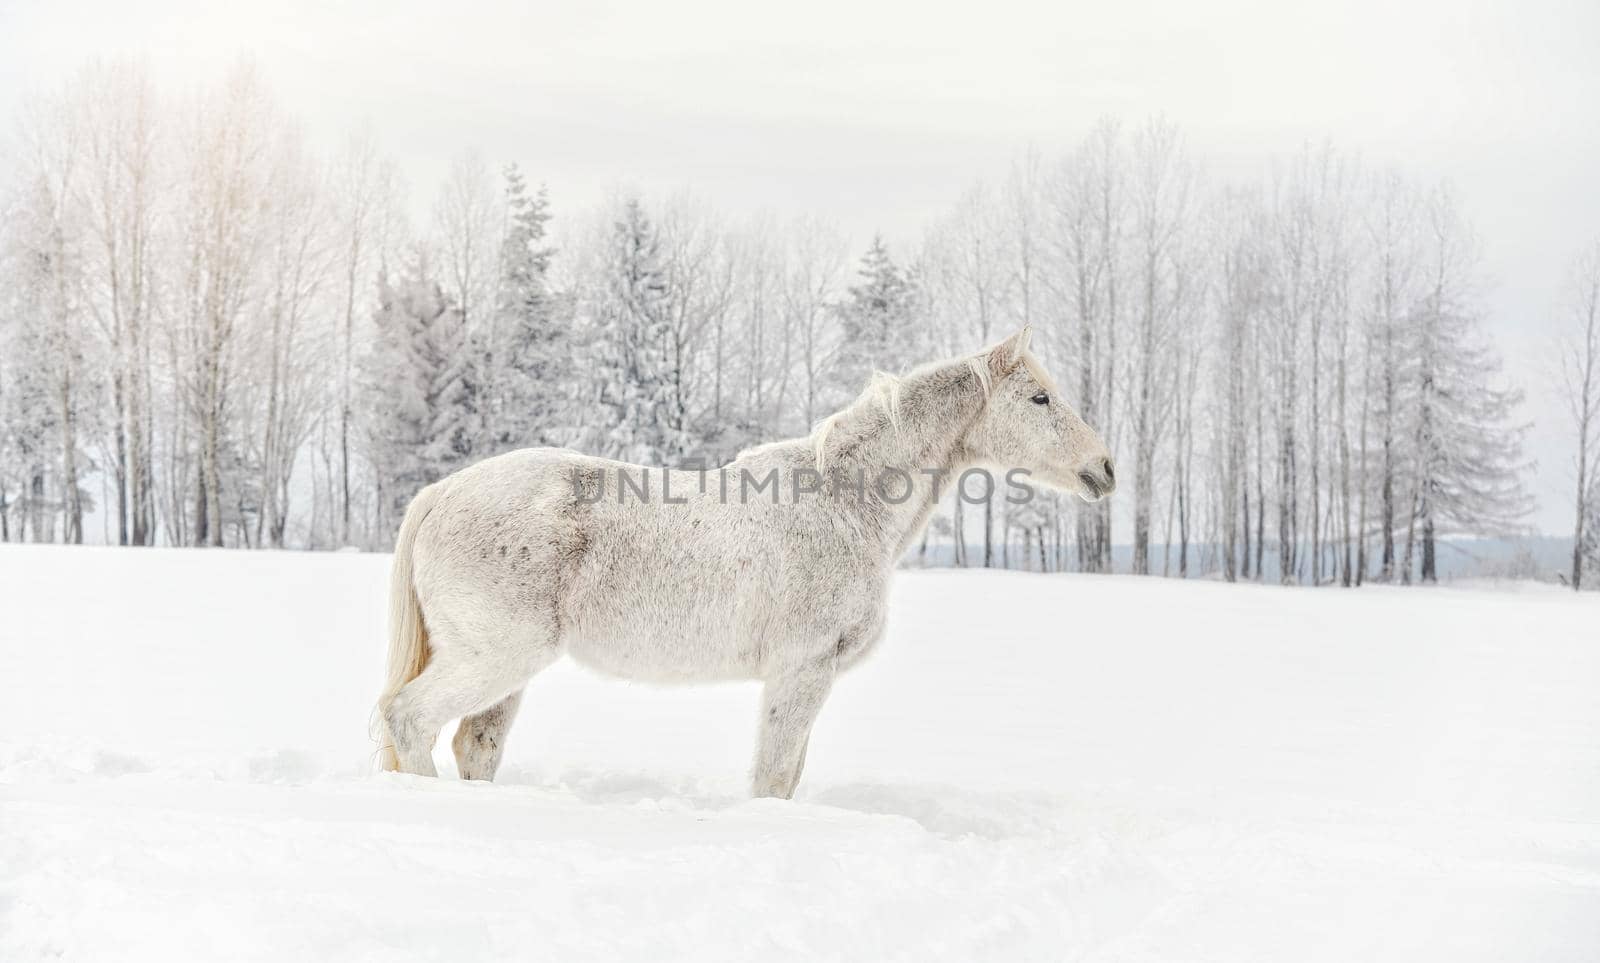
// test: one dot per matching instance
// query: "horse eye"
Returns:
(1041, 399)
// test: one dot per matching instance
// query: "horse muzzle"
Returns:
(1099, 480)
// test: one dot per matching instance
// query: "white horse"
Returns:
(775, 567)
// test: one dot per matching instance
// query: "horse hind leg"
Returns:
(474, 667)
(447, 688)
(481, 738)
(459, 682)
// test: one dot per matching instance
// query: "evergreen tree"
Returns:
(31, 429)
(634, 363)
(419, 392)
(876, 321)
(1468, 452)
(51, 390)
(520, 352)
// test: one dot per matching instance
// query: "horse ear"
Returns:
(1005, 356)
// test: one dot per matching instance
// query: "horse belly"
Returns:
(676, 658)
(654, 640)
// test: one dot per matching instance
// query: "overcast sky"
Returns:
(877, 116)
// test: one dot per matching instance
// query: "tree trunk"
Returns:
(988, 531)
(1430, 573)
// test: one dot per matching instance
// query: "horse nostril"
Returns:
(1111, 476)
(1090, 482)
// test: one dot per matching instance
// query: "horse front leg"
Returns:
(789, 705)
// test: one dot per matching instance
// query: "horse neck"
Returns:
(926, 442)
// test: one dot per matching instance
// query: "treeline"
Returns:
(213, 336)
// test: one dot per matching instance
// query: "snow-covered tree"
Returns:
(1468, 448)
(877, 329)
(53, 392)
(637, 417)
(419, 416)
(519, 355)
(202, 320)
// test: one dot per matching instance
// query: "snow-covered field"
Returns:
(1030, 767)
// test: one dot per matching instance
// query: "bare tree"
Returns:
(1161, 187)
(367, 224)
(227, 164)
(1391, 230)
(1087, 209)
(298, 264)
(700, 274)
(968, 276)
(1578, 355)
(1240, 292)
(470, 224)
(814, 267)
(121, 196)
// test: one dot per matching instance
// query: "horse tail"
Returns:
(408, 634)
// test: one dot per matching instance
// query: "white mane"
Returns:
(883, 392)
